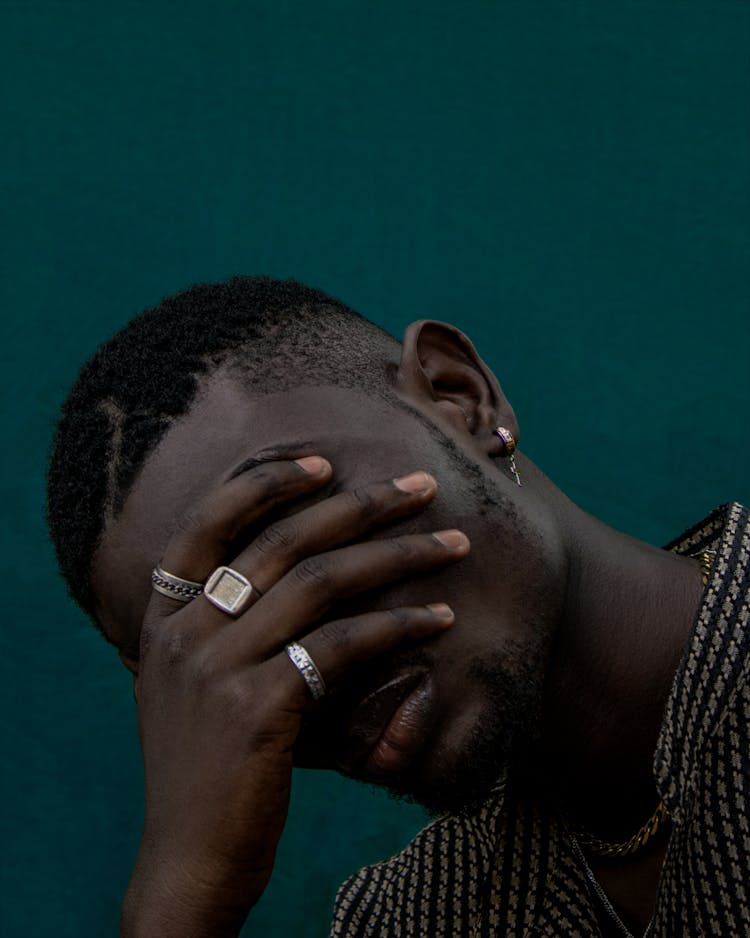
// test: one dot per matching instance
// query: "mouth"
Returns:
(387, 728)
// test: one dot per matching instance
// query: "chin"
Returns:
(467, 757)
(460, 792)
(458, 781)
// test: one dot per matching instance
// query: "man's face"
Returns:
(474, 690)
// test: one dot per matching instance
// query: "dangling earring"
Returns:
(510, 447)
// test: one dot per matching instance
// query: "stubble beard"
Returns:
(510, 679)
(510, 685)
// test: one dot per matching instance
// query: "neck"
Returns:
(628, 614)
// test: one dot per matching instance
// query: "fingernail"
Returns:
(441, 610)
(415, 484)
(453, 540)
(314, 465)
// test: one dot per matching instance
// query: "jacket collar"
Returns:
(716, 660)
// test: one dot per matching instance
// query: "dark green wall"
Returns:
(568, 181)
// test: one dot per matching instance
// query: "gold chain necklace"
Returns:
(646, 832)
(601, 847)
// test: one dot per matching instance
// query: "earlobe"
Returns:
(441, 371)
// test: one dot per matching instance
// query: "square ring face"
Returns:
(228, 590)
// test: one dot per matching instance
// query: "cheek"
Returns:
(122, 595)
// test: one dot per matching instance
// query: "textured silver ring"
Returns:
(230, 591)
(302, 661)
(174, 586)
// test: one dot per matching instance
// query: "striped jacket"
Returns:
(513, 870)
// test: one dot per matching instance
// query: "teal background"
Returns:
(567, 181)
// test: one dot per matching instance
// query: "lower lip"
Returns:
(404, 734)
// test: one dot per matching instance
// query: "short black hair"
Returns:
(146, 376)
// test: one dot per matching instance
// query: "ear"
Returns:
(443, 375)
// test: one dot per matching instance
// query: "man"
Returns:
(312, 544)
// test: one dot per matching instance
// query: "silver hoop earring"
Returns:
(509, 449)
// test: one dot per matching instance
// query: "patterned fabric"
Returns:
(511, 870)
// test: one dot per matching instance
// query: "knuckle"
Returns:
(204, 670)
(277, 539)
(364, 501)
(314, 572)
(280, 692)
(403, 547)
(175, 648)
(398, 618)
(190, 523)
(264, 478)
(267, 483)
(237, 701)
(337, 634)
(168, 644)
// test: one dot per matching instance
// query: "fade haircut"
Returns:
(275, 334)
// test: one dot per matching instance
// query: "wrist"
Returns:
(168, 899)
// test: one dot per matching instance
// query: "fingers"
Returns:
(298, 561)
(312, 586)
(204, 535)
(337, 646)
(202, 541)
(340, 645)
(331, 523)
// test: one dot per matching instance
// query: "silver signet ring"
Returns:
(230, 591)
